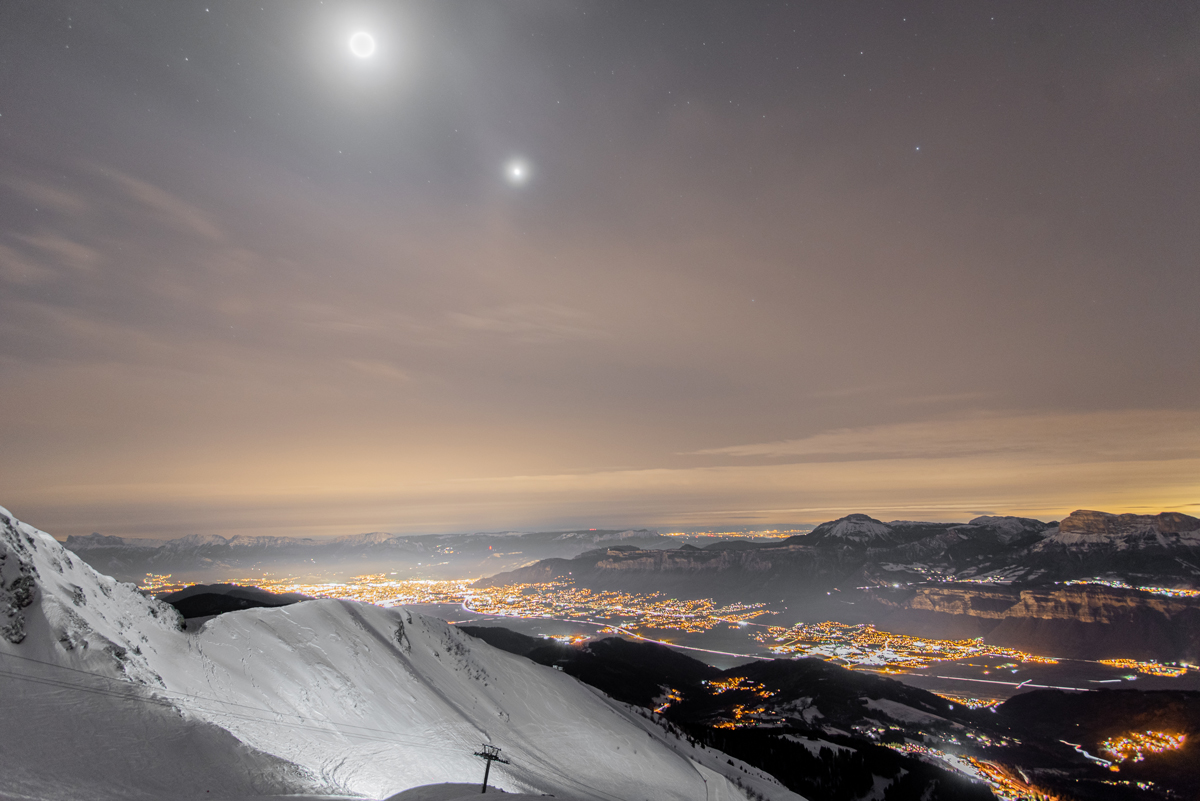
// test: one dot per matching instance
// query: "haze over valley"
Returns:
(605, 400)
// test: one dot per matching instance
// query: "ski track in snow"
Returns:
(323, 696)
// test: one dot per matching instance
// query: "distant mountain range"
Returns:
(1004, 577)
(1143, 549)
(199, 557)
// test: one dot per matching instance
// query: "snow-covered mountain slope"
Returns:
(1006, 529)
(84, 713)
(456, 792)
(321, 695)
(857, 529)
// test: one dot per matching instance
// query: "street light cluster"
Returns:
(863, 645)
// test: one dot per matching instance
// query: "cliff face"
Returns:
(1086, 622)
(1086, 532)
(1084, 604)
(1093, 523)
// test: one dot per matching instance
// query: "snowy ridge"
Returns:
(1009, 528)
(615, 536)
(343, 697)
(856, 528)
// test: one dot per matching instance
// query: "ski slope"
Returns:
(325, 696)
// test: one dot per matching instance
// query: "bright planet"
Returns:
(517, 172)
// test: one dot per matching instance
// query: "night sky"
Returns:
(763, 263)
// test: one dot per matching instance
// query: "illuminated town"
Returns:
(855, 646)
(719, 686)
(560, 600)
(1008, 783)
(160, 584)
(1134, 746)
(1149, 668)
(743, 714)
(864, 646)
(1169, 592)
(765, 534)
(971, 702)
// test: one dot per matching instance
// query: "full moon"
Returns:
(362, 44)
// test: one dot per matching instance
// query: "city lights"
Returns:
(971, 702)
(1150, 668)
(1134, 746)
(559, 599)
(865, 646)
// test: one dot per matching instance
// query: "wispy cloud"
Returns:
(63, 250)
(15, 268)
(378, 369)
(1139, 434)
(49, 197)
(531, 323)
(167, 208)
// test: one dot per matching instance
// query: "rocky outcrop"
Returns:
(18, 579)
(1087, 604)
(1087, 531)
(1088, 522)
(1083, 621)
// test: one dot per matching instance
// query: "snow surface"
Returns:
(902, 712)
(853, 528)
(459, 792)
(815, 745)
(319, 697)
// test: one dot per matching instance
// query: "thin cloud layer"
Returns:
(817, 264)
(1076, 438)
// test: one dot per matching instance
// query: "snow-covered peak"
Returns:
(1008, 528)
(79, 543)
(197, 541)
(1009, 524)
(261, 541)
(360, 699)
(609, 536)
(63, 606)
(372, 538)
(858, 529)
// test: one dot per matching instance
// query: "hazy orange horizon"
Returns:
(771, 279)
